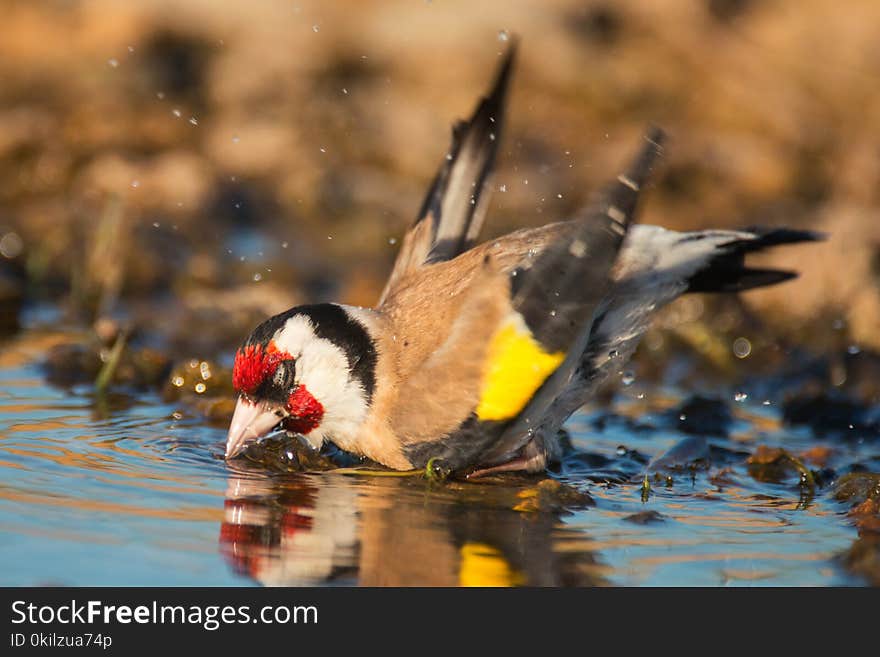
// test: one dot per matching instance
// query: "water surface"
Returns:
(130, 490)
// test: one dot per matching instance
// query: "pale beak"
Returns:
(251, 421)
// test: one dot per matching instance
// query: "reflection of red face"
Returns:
(253, 532)
(239, 542)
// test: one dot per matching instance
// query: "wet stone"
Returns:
(11, 299)
(707, 416)
(645, 517)
(692, 452)
(196, 377)
(283, 453)
(863, 558)
(826, 414)
(69, 364)
(855, 488)
(776, 465)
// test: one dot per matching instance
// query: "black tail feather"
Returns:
(727, 271)
(767, 237)
(459, 196)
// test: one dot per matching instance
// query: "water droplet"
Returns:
(323, 150)
(526, 181)
(205, 370)
(160, 95)
(177, 415)
(502, 188)
(740, 396)
(235, 139)
(177, 381)
(766, 402)
(258, 277)
(135, 183)
(10, 245)
(683, 417)
(559, 196)
(491, 136)
(113, 62)
(131, 49)
(742, 348)
(237, 205)
(392, 241)
(315, 28)
(193, 120)
(628, 378)
(200, 387)
(156, 224)
(176, 112)
(641, 395)
(552, 313)
(853, 349)
(503, 35)
(621, 450)
(284, 245)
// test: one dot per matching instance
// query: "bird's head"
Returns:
(309, 371)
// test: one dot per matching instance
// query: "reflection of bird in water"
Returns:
(293, 534)
(476, 354)
(284, 530)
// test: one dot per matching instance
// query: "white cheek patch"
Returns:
(322, 368)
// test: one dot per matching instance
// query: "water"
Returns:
(120, 492)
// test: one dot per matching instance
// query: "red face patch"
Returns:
(306, 412)
(253, 365)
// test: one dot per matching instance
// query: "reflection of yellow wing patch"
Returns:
(516, 366)
(483, 565)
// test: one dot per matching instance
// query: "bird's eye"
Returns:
(283, 377)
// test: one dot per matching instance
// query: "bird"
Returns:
(476, 354)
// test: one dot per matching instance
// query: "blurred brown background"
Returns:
(233, 158)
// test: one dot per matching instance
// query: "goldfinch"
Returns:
(475, 355)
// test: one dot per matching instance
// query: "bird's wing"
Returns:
(560, 294)
(453, 211)
(501, 329)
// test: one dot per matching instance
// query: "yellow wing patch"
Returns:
(516, 366)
